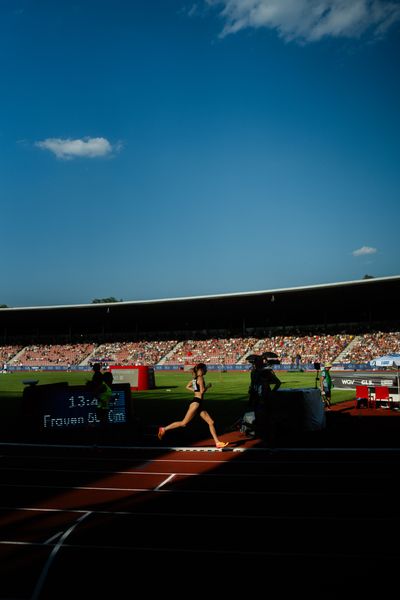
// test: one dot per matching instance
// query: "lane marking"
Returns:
(96, 471)
(53, 537)
(312, 475)
(141, 448)
(56, 548)
(197, 491)
(263, 449)
(157, 489)
(222, 552)
(263, 516)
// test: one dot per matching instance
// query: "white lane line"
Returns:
(213, 475)
(264, 449)
(43, 575)
(241, 516)
(133, 461)
(164, 482)
(75, 487)
(53, 537)
(141, 448)
(216, 551)
(96, 471)
(212, 492)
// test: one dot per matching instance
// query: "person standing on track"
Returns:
(326, 385)
(104, 397)
(199, 387)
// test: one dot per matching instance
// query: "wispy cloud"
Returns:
(309, 20)
(85, 148)
(193, 10)
(364, 250)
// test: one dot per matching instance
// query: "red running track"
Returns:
(129, 521)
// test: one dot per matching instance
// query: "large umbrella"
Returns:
(389, 360)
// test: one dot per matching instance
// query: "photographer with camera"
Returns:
(263, 384)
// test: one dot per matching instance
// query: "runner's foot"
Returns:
(221, 444)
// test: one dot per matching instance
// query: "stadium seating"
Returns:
(294, 350)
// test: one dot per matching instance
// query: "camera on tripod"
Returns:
(317, 367)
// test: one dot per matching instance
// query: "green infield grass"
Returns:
(226, 400)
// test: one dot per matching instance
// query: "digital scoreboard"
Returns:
(62, 408)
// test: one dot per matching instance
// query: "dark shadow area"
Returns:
(366, 431)
(278, 515)
(343, 429)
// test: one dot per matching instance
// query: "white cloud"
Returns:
(193, 10)
(309, 20)
(86, 147)
(364, 250)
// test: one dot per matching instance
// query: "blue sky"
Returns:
(170, 148)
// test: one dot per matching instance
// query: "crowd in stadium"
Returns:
(292, 350)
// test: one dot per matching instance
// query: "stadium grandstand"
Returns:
(347, 323)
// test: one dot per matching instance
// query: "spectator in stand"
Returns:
(199, 387)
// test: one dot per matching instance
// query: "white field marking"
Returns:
(157, 489)
(141, 448)
(211, 474)
(294, 463)
(53, 537)
(125, 460)
(76, 487)
(241, 516)
(222, 552)
(43, 575)
(180, 491)
(97, 472)
(205, 449)
(208, 462)
(265, 449)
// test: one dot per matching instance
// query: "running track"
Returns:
(127, 522)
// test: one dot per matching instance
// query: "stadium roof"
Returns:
(310, 288)
(370, 303)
